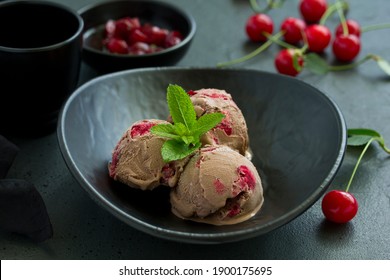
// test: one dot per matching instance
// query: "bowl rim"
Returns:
(201, 238)
(187, 39)
(54, 46)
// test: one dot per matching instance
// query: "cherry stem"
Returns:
(375, 27)
(252, 54)
(352, 65)
(279, 42)
(270, 5)
(331, 9)
(358, 162)
(255, 6)
(298, 52)
(381, 142)
(342, 19)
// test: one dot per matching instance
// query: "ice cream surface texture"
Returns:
(200, 152)
(232, 131)
(218, 186)
(137, 161)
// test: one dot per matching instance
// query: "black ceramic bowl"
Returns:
(39, 64)
(157, 13)
(297, 135)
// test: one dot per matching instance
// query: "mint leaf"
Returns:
(175, 150)
(183, 136)
(207, 122)
(181, 129)
(180, 106)
(189, 140)
(165, 130)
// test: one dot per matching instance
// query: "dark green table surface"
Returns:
(83, 230)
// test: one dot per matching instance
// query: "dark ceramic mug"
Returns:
(40, 57)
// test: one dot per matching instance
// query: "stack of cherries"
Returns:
(128, 36)
(308, 31)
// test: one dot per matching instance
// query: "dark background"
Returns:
(83, 230)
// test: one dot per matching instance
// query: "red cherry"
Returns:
(312, 10)
(346, 47)
(352, 26)
(137, 35)
(284, 62)
(115, 45)
(110, 28)
(258, 24)
(139, 48)
(124, 26)
(173, 38)
(132, 37)
(339, 206)
(156, 35)
(318, 37)
(293, 28)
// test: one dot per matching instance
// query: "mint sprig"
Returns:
(183, 136)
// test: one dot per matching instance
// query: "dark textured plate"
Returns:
(297, 134)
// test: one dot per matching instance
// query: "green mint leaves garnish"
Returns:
(185, 132)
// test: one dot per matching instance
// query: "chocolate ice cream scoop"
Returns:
(232, 131)
(136, 160)
(218, 186)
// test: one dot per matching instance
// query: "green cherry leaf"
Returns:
(176, 150)
(363, 136)
(316, 64)
(383, 64)
(360, 137)
(180, 106)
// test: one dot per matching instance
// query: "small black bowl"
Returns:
(157, 13)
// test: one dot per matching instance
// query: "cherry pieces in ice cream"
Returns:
(137, 162)
(218, 186)
(232, 131)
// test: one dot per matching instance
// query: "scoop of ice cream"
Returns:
(218, 186)
(136, 160)
(232, 131)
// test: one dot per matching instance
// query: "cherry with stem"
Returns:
(340, 206)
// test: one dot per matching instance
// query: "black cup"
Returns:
(40, 57)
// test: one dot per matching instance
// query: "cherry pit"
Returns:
(128, 35)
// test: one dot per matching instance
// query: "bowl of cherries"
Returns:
(126, 34)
